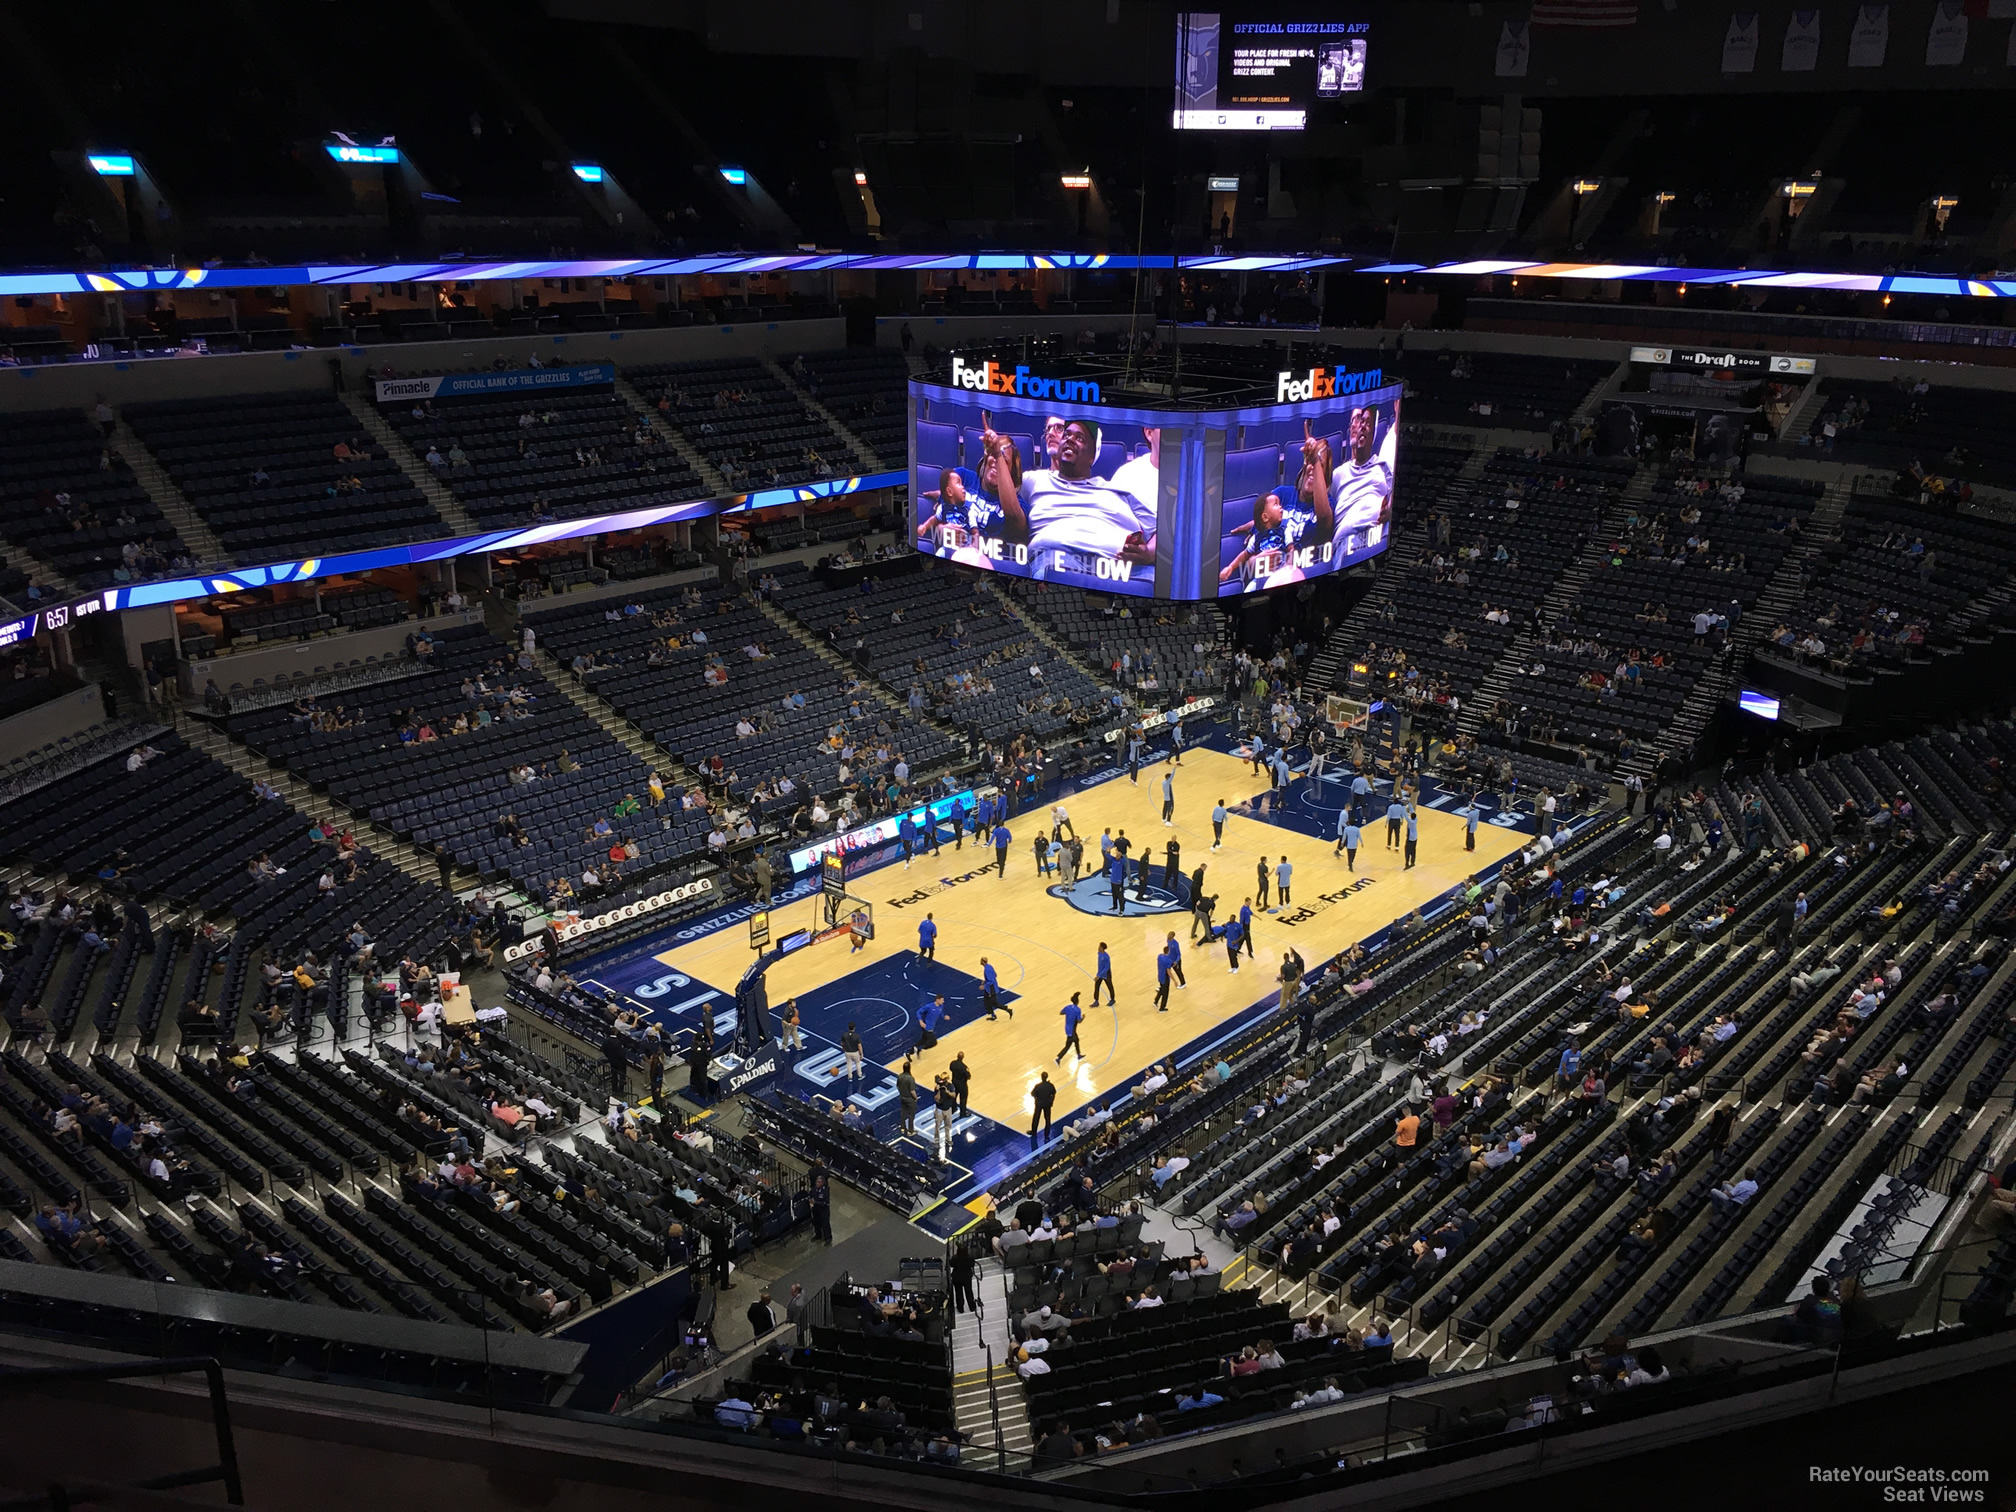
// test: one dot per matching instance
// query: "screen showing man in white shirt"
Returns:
(1361, 488)
(1074, 503)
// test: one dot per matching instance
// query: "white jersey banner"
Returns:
(1946, 40)
(1870, 37)
(1801, 52)
(1739, 43)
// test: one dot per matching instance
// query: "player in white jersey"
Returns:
(1072, 519)
(1361, 488)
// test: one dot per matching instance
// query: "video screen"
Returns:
(1256, 70)
(1062, 494)
(1307, 495)
(1179, 504)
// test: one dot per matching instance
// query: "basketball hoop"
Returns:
(1346, 714)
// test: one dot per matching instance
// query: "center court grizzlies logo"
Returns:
(1094, 895)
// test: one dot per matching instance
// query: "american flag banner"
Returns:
(1585, 12)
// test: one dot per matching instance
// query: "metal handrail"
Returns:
(994, 1408)
(57, 1496)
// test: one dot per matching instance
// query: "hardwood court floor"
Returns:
(1043, 947)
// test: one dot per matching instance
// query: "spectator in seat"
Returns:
(1233, 1224)
(1731, 1195)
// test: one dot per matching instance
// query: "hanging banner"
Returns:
(1802, 42)
(1869, 39)
(1515, 47)
(1946, 41)
(1739, 43)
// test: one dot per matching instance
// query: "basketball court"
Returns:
(1042, 936)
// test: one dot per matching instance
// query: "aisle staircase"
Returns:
(1409, 550)
(1036, 627)
(209, 738)
(1774, 605)
(417, 471)
(832, 658)
(709, 474)
(170, 500)
(635, 741)
(1800, 415)
(864, 459)
(987, 1401)
(1503, 678)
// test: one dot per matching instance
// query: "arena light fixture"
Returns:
(589, 173)
(112, 164)
(736, 176)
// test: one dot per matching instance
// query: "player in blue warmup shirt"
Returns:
(1234, 933)
(1396, 815)
(1072, 1014)
(1103, 974)
(1246, 925)
(1217, 824)
(1162, 981)
(1002, 840)
(990, 990)
(930, 1014)
(927, 939)
(1116, 875)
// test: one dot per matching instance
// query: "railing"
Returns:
(994, 1410)
(1944, 1174)
(59, 1497)
(1429, 1411)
